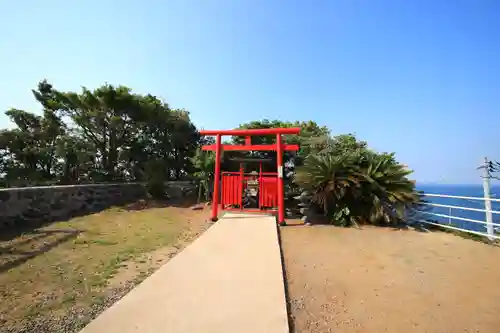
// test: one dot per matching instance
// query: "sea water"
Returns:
(475, 191)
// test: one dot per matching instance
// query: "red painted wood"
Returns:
(230, 190)
(260, 185)
(269, 188)
(248, 174)
(251, 147)
(246, 132)
(280, 185)
(229, 186)
(252, 210)
(235, 190)
(241, 185)
(217, 175)
(222, 189)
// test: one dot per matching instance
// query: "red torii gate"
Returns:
(279, 147)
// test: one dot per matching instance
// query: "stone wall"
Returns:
(35, 205)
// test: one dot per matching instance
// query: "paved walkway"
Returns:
(229, 280)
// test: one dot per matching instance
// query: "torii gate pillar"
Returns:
(279, 147)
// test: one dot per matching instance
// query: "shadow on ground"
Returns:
(18, 228)
(32, 244)
(21, 242)
(142, 204)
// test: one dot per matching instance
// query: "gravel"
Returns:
(73, 320)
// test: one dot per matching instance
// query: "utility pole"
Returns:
(487, 199)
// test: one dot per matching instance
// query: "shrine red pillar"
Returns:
(217, 176)
(281, 190)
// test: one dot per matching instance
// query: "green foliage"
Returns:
(310, 133)
(106, 134)
(354, 185)
(307, 140)
(156, 171)
(113, 134)
(204, 164)
(28, 152)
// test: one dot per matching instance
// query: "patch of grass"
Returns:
(474, 237)
(68, 298)
(467, 235)
(141, 277)
(40, 278)
(463, 234)
(95, 241)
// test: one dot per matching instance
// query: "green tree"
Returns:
(308, 140)
(310, 133)
(353, 185)
(110, 134)
(129, 130)
(29, 152)
(103, 117)
(77, 160)
(204, 164)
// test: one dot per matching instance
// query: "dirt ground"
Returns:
(384, 280)
(58, 277)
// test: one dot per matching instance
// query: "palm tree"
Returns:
(387, 193)
(358, 187)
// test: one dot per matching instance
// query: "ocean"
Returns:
(460, 190)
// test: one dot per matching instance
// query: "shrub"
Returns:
(358, 186)
(204, 163)
(156, 178)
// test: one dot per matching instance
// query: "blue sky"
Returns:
(420, 78)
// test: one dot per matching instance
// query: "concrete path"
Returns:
(229, 280)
